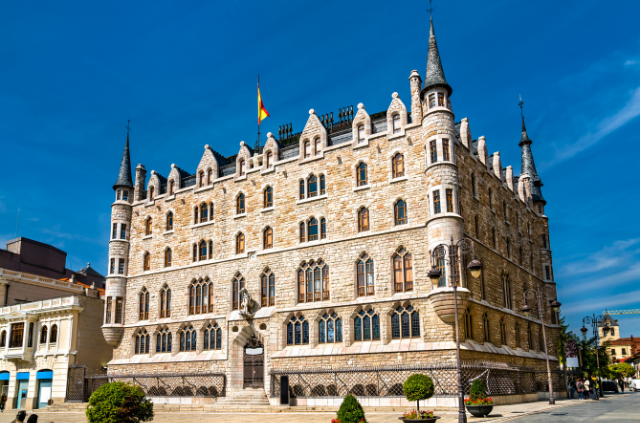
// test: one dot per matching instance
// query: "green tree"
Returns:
(621, 370)
(589, 361)
(418, 387)
(477, 390)
(119, 402)
(351, 411)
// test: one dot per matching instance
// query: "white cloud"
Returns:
(631, 62)
(616, 255)
(578, 286)
(611, 302)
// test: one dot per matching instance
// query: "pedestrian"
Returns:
(596, 387)
(621, 384)
(20, 417)
(33, 418)
(572, 386)
(3, 402)
(587, 388)
(580, 387)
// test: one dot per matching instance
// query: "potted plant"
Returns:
(119, 402)
(418, 387)
(350, 411)
(478, 404)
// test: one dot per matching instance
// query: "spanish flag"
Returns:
(262, 112)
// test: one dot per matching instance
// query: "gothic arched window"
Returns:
(165, 302)
(312, 186)
(364, 276)
(323, 228)
(398, 165)
(366, 326)
(144, 304)
(268, 197)
(163, 341)
(167, 257)
(468, 328)
(307, 149)
(361, 175)
(297, 331)
(405, 323)
(240, 209)
(400, 212)
(312, 226)
(267, 238)
(212, 337)
(313, 282)
(201, 296)
(170, 221)
(396, 123)
(402, 271)
(146, 261)
(363, 220)
(243, 167)
(240, 243)
(238, 284)
(329, 329)
(43, 335)
(269, 159)
(203, 250)
(485, 328)
(142, 342)
(148, 226)
(360, 133)
(268, 292)
(188, 339)
(204, 212)
(503, 332)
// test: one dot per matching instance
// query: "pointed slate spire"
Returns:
(435, 74)
(124, 176)
(529, 166)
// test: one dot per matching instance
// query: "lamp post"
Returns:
(475, 266)
(595, 321)
(540, 294)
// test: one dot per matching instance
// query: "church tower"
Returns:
(121, 210)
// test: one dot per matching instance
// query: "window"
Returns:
(517, 333)
(212, 337)
(148, 227)
(449, 193)
(612, 332)
(151, 193)
(188, 339)
(195, 252)
(366, 326)
(364, 274)
(143, 306)
(243, 167)
(142, 342)
(509, 248)
(432, 100)
(363, 220)
(267, 238)
(268, 197)
(313, 282)
(485, 328)
(506, 292)
(446, 156)
(172, 187)
(547, 272)
(405, 323)
(53, 337)
(613, 351)
(195, 215)
(125, 195)
(520, 255)
(362, 175)
(442, 267)
(210, 176)
(624, 351)
(302, 189)
(474, 191)
(269, 159)
(118, 316)
(121, 266)
(118, 195)
(112, 266)
(297, 331)
(165, 302)
(503, 332)
(163, 341)
(494, 240)
(440, 100)
(114, 231)
(329, 329)
(240, 243)
(360, 133)
(531, 260)
(318, 147)
(30, 339)
(396, 124)
(123, 231)
(307, 149)
(398, 165)
(312, 186)
(477, 227)
(238, 285)
(201, 173)
(323, 228)
(43, 335)
(203, 250)
(434, 151)
(467, 328)
(518, 222)
(402, 271)
(529, 338)
(268, 293)
(147, 261)
(201, 297)
(323, 189)
(303, 232)
(529, 229)
(490, 199)
(167, 257)
(109, 305)
(204, 212)
(544, 241)
(436, 202)
(3, 339)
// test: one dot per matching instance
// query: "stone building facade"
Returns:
(330, 231)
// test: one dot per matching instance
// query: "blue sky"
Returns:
(73, 72)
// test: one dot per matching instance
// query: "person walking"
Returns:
(580, 387)
(572, 386)
(596, 388)
(3, 402)
(621, 384)
(587, 388)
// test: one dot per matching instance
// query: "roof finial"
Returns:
(431, 8)
(522, 113)
(124, 176)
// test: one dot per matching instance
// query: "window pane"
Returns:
(323, 189)
(405, 325)
(367, 328)
(376, 326)
(218, 339)
(395, 326)
(330, 331)
(290, 334)
(339, 330)
(321, 331)
(313, 186)
(313, 230)
(298, 333)
(323, 228)
(357, 324)
(305, 332)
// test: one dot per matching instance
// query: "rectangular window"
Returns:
(445, 151)
(547, 272)
(123, 231)
(440, 99)
(125, 195)
(449, 201)
(302, 189)
(119, 195)
(432, 101)
(107, 318)
(112, 266)
(118, 316)
(121, 266)
(434, 151)
(436, 202)
(114, 231)
(17, 334)
(323, 189)
(624, 351)
(544, 241)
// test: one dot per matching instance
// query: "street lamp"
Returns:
(463, 246)
(540, 294)
(595, 321)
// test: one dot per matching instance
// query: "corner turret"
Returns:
(529, 170)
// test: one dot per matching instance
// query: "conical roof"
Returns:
(529, 166)
(124, 176)
(435, 74)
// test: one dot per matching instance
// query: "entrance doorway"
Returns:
(21, 395)
(253, 363)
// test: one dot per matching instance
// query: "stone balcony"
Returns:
(443, 304)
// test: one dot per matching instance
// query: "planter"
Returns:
(428, 420)
(479, 410)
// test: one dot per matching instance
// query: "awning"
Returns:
(4, 375)
(44, 374)
(22, 376)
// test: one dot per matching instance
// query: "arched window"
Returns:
(188, 339)
(318, 145)
(195, 252)
(238, 284)
(201, 173)
(147, 261)
(323, 228)
(473, 186)
(269, 159)
(210, 250)
(400, 212)
(268, 293)
(195, 215)
(170, 221)
(201, 296)
(268, 197)
(398, 165)
(503, 332)
(163, 341)
(307, 149)
(297, 331)
(506, 291)
(267, 238)
(366, 326)
(313, 229)
(468, 328)
(360, 133)
(240, 243)
(361, 175)
(167, 257)
(405, 323)
(402, 271)
(312, 186)
(323, 189)
(210, 177)
(43, 335)
(203, 250)
(142, 342)
(151, 193)
(302, 189)
(517, 333)
(165, 302)
(529, 338)
(211, 210)
(303, 232)
(212, 337)
(243, 167)
(396, 124)
(329, 329)
(148, 226)
(172, 185)
(143, 308)
(364, 277)
(240, 204)
(363, 220)
(204, 212)
(485, 328)
(313, 282)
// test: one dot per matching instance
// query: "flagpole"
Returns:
(258, 142)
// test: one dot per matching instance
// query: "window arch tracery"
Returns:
(366, 326)
(329, 329)
(365, 276)
(268, 292)
(142, 342)
(163, 340)
(313, 281)
(212, 337)
(297, 331)
(201, 296)
(405, 323)
(188, 339)
(402, 271)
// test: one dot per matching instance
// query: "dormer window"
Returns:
(396, 124)
(318, 146)
(243, 167)
(432, 101)
(360, 133)
(307, 149)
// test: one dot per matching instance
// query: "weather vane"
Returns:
(521, 104)
(431, 8)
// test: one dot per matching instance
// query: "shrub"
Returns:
(418, 387)
(119, 402)
(477, 391)
(351, 411)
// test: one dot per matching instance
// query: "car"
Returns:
(609, 386)
(635, 385)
